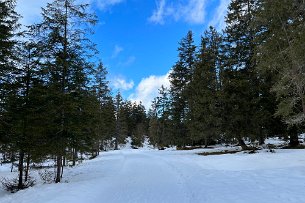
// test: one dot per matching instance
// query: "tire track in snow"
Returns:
(182, 169)
(173, 170)
(144, 178)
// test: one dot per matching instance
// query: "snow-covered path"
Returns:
(145, 177)
(176, 176)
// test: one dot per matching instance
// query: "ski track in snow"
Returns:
(146, 176)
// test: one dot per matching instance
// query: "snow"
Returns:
(149, 175)
(276, 141)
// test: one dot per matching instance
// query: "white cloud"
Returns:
(120, 83)
(158, 14)
(30, 10)
(191, 11)
(218, 20)
(117, 50)
(194, 12)
(148, 88)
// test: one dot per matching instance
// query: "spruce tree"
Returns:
(106, 121)
(8, 27)
(281, 55)
(26, 80)
(153, 128)
(121, 125)
(64, 49)
(204, 115)
(8, 32)
(180, 77)
(140, 124)
(163, 111)
(160, 122)
(240, 84)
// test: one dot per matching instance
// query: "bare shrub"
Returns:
(11, 185)
(47, 176)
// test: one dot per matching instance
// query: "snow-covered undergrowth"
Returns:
(147, 175)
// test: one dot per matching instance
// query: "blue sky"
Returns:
(138, 39)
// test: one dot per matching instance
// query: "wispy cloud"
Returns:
(129, 61)
(190, 11)
(159, 13)
(194, 12)
(31, 9)
(148, 88)
(120, 83)
(218, 20)
(106, 4)
(117, 50)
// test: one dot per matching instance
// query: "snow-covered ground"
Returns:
(147, 175)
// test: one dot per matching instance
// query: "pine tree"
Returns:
(153, 128)
(180, 77)
(163, 111)
(26, 80)
(140, 124)
(160, 123)
(281, 55)
(8, 27)
(106, 118)
(64, 50)
(16, 78)
(121, 125)
(204, 115)
(240, 85)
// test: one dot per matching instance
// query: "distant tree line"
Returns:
(55, 101)
(244, 82)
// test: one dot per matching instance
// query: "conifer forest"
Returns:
(239, 86)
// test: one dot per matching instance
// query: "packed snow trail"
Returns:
(176, 176)
(143, 178)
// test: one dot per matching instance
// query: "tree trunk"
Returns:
(261, 137)
(64, 161)
(27, 168)
(205, 142)
(58, 172)
(294, 139)
(303, 103)
(116, 144)
(98, 147)
(20, 168)
(242, 143)
(74, 157)
(62, 166)
(4, 157)
(261, 140)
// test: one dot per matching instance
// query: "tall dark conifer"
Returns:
(240, 85)
(180, 78)
(106, 117)
(8, 27)
(64, 48)
(121, 125)
(281, 57)
(204, 114)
